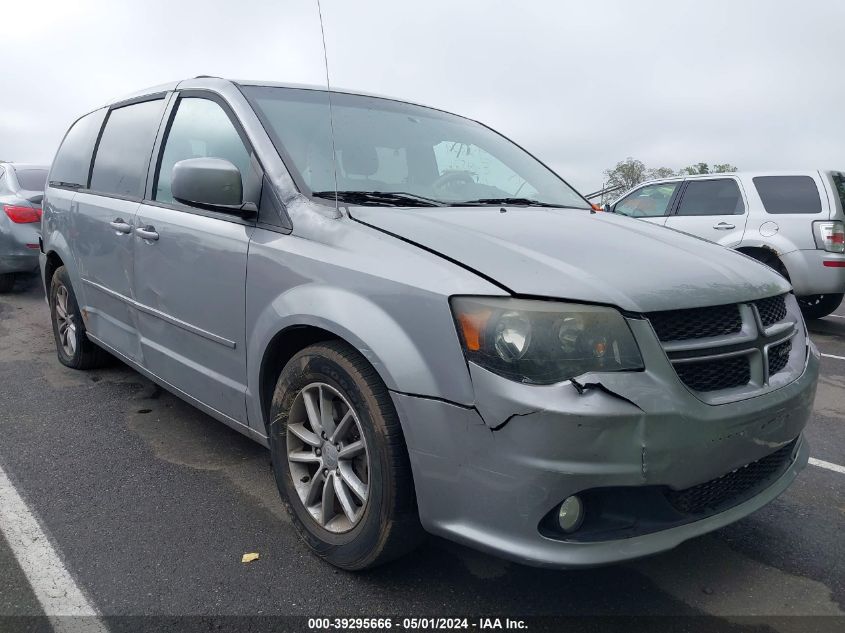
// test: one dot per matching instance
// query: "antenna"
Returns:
(329, 93)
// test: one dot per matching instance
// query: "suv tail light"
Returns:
(830, 236)
(22, 215)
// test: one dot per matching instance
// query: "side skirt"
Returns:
(214, 413)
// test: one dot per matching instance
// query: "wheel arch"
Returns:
(52, 262)
(58, 252)
(765, 253)
(306, 314)
(282, 347)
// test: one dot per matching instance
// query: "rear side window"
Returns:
(31, 179)
(123, 154)
(711, 197)
(73, 160)
(788, 194)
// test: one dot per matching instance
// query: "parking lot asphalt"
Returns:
(151, 505)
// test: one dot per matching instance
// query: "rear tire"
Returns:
(7, 282)
(818, 306)
(73, 347)
(320, 387)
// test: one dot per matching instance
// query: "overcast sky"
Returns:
(581, 84)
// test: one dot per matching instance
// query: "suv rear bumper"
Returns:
(810, 276)
(493, 488)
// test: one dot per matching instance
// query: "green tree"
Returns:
(694, 170)
(722, 168)
(627, 173)
(704, 168)
(660, 172)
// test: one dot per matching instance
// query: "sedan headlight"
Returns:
(543, 342)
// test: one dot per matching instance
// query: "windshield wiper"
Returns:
(519, 202)
(390, 198)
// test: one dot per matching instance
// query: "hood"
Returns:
(582, 256)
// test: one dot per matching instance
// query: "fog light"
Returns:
(571, 514)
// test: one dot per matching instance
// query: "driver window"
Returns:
(647, 202)
(470, 163)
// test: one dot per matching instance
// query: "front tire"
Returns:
(339, 459)
(819, 306)
(73, 346)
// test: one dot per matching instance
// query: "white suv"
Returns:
(792, 221)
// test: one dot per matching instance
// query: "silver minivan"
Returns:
(792, 221)
(427, 327)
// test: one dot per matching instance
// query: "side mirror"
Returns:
(37, 198)
(607, 208)
(211, 183)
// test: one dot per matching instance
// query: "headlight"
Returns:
(543, 342)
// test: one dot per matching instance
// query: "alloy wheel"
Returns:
(328, 458)
(64, 322)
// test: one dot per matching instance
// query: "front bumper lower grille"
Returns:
(619, 512)
(731, 489)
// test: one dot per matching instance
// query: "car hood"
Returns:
(582, 256)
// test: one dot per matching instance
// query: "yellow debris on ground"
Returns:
(248, 558)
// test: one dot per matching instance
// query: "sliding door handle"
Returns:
(724, 226)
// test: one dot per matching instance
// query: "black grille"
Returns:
(680, 325)
(771, 310)
(779, 356)
(712, 375)
(732, 488)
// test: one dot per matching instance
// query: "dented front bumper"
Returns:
(488, 475)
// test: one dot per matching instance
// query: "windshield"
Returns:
(32, 179)
(389, 147)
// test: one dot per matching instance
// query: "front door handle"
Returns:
(724, 226)
(147, 233)
(119, 225)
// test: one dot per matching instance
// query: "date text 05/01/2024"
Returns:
(425, 623)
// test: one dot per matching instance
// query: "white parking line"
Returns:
(823, 464)
(833, 356)
(50, 580)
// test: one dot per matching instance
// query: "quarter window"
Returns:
(200, 129)
(711, 197)
(647, 202)
(788, 194)
(839, 182)
(123, 154)
(73, 160)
